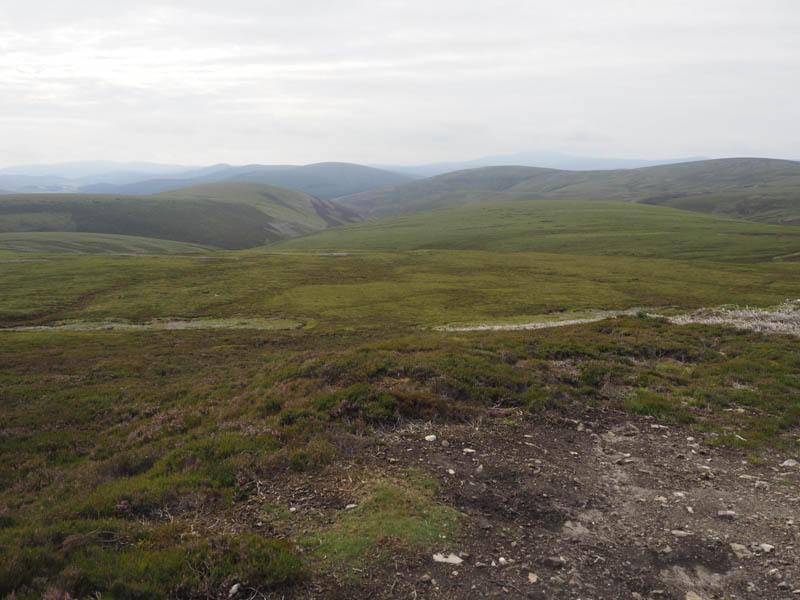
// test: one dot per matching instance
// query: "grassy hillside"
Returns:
(565, 226)
(373, 291)
(37, 242)
(325, 180)
(230, 215)
(291, 211)
(291, 460)
(451, 189)
(748, 188)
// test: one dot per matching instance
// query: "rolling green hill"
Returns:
(565, 227)
(222, 215)
(754, 189)
(451, 189)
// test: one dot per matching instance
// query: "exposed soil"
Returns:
(604, 505)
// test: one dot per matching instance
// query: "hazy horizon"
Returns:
(134, 163)
(396, 83)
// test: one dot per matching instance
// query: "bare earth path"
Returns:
(601, 506)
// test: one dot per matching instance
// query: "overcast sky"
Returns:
(379, 81)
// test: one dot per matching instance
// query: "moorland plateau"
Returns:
(568, 383)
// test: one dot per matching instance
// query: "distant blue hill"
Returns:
(548, 160)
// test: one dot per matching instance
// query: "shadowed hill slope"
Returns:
(754, 189)
(226, 215)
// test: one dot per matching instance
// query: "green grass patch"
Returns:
(393, 513)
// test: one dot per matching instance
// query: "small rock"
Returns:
(533, 578)
(726, 514)
(741, 551)
(451, 472)
(784, 586)
(774, 574)
(761, 485)
(445, 444)
(680, 533)
(430, 438)
(479, 470)
(484, 524)
(468, 451)
(555, 562)
(630, 430)
(234, 590)
(502, 561)
(693, 596)
(660, 499)
(766, 548)
(293, 509)
(790, 463)
(351, 506)
(425, 579)
(450, 559)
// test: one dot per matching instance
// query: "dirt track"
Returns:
(599, 506)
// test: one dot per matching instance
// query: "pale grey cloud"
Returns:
(402, 81)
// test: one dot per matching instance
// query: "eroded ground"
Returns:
(596, 506)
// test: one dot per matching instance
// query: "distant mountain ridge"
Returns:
(325, 180)
(755, 189)
(93, 168)
(70, 177)
(319, 179)
(546, 160)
